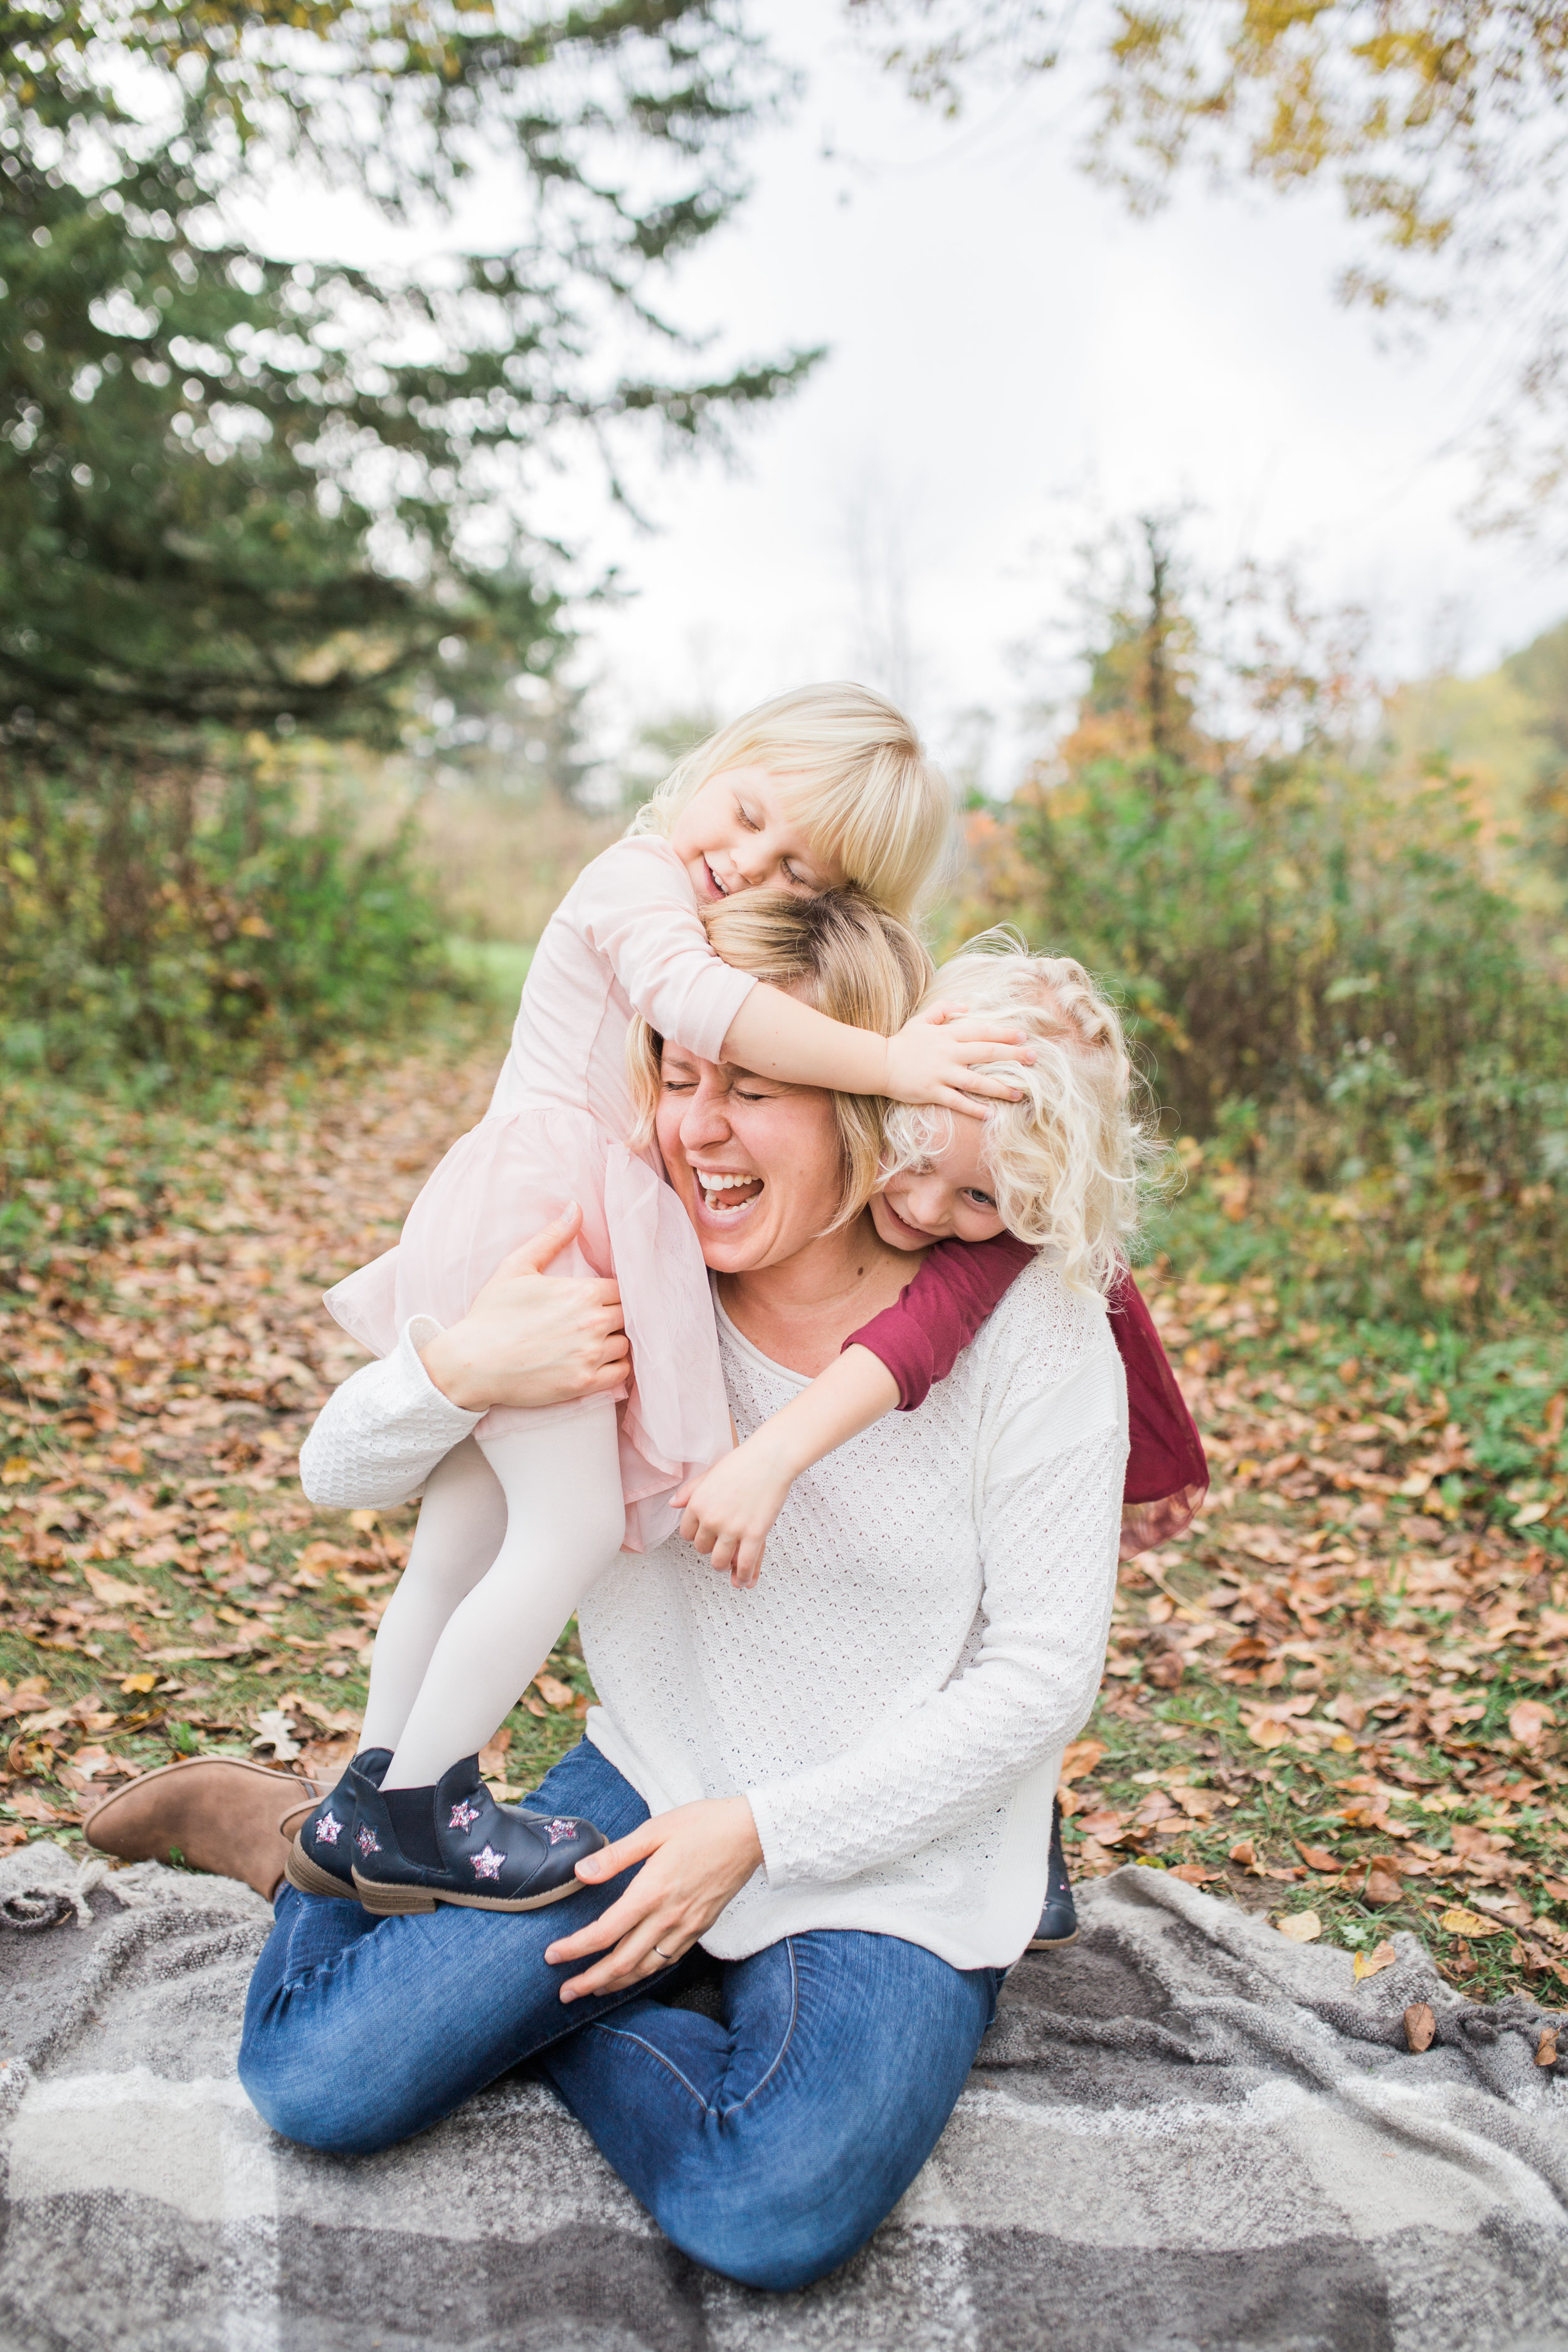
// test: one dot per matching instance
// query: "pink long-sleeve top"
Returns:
(627, 938)
(919, 1338)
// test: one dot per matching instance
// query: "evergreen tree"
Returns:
(242, 492)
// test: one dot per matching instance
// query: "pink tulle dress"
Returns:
(627, 936)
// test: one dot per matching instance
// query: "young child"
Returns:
(1058, 1168)
(819, 789)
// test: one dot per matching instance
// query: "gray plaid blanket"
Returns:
(1183, 2132)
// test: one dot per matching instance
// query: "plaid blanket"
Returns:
(1183, 2131)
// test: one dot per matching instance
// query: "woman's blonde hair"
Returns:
(1069, 1162)
(841, 955)
(855, 773)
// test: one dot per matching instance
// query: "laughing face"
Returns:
(738, 834)
(948, 1198)
(758, 1165)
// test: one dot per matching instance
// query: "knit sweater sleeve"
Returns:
(378, 1437)
(1054, 1445)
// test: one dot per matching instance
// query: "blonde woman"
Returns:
(822, 790)
(839, 1783)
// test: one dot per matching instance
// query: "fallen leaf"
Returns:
(28, 1806)
(140, 1682)
(1372, 1964)
(1245, 1855)
(1468, 1923)
(1300, 1926)
(1420, 2025)
(493, 1754)
(1269, 1731)
(1104, 1825)
(1529, 1721)
(17, 1470)
(274, 1730)
(112, 1590)
(1080, 1757)
(1383, 1882)
(1546, 2048)
(1317, 1857)
(1194, 1874)
(554, 1691)
(1531, 1515)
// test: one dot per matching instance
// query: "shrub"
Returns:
(167, 918)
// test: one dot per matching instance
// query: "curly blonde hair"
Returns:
(1070, 1163)
(856, 775)
(842, 956)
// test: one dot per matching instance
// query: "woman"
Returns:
(839, 1782)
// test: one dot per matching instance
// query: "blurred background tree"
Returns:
(244, 500)
(1443, 124)
(1339, 994)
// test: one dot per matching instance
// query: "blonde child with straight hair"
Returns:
(827, 789)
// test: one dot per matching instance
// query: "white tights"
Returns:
(512, 1532)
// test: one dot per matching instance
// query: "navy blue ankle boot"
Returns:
(320, 1860)
(1058, 1920)
(493, 1857)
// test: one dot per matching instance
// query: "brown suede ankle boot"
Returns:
(210, 1812)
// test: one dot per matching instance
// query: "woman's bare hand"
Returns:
(531, 1338)
(694, 1860)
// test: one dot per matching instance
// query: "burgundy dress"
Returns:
(941, 1310)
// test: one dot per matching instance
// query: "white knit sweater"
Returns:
(929, 1630)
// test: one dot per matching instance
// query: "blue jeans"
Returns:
(768, 2144)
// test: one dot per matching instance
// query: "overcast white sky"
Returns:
(1008, 348)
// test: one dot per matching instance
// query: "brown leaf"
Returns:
(1383, 1883)
(1194, 1874)
(1105, 1825)
(1350, 1711)
(1530, 1722)
(1546, 2048)
(1317, 1857)
(1420, 2025)
(554, 1691)
(1079, 1758)
(28, 1806)
(1245, 1855)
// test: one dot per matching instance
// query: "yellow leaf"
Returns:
(140, 1682)
(1530, 1514)
(1372, 1964)
(1471, 1923)
(1301, 1926)
(17, 1469)
(364, 1520)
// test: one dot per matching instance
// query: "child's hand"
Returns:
(931, 1059)
(730, 1508)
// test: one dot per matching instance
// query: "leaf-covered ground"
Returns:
(1335, 1700)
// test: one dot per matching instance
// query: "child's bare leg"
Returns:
(565, 1522)
(462, 1524)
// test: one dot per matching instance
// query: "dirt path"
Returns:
(1335, 1697)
